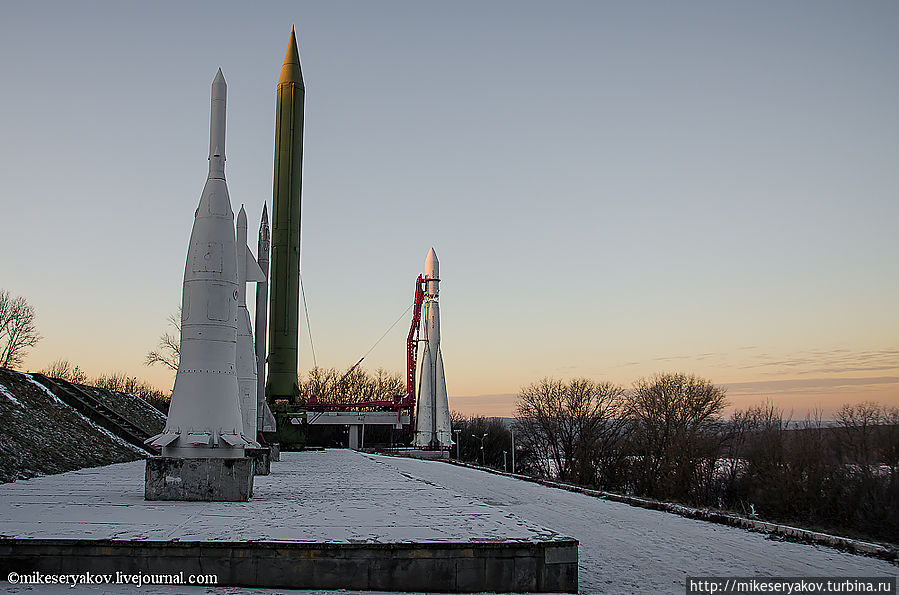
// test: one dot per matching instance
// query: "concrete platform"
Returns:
(322, 520)
(203, 479)
(262, 460)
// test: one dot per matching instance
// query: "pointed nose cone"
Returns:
(290, 70)
(432, 266)
(242, 218)
(217, 126)
(219, 87)
(263, 225)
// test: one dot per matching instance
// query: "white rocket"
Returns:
(205, 415)
(248, 270)
(432, 421)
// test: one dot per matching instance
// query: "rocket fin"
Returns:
(198, 438)
(254, 271)
(232, 440)
(238, 441)
(163, 439)
(268, 420)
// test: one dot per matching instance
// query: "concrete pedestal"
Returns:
(262, 460)
(204, 479)
(355, 432)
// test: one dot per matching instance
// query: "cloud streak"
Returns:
(807, 385)
(833, 361)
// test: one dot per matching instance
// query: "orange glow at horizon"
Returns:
(797, 398)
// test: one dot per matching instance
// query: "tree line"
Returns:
(117, 381)
(667, 438)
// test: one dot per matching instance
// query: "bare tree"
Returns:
(571, 427)
(62, 369)
(356, 385)
(17, 330)
(675, 433)
(121, 382)
(859, 425)
(168, 351)
(755, 455)
(890, 442)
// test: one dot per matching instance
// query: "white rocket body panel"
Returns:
(246, 375)
(432, 425)
(204, 417)
(239, 244)
(424, 410)
(246, 353)
(443, 428)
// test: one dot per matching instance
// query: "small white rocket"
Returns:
(248, 270)
(204, 417)
(432, 421)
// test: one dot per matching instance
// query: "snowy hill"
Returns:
(40, 434)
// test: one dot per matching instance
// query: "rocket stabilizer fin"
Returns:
(198, 438)
(233, 440)
(254, 271)
(268, 420)
(161, 439)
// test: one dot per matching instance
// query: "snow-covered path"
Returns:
(624, 549)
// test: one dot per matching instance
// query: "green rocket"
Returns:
(282, 382)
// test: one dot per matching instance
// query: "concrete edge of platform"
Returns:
(786, 532)
(461, 567)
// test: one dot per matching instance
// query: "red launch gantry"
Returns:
(399, 402)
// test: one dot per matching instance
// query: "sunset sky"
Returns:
(613, 189)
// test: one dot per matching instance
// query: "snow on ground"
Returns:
(623, 549)
(44, 389)
(5, 392)
(336, 496)
(114, 437)
(41, 435)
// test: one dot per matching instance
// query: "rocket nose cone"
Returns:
(219, 79)
(432, 266)
(242, 217)
(291, 71)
